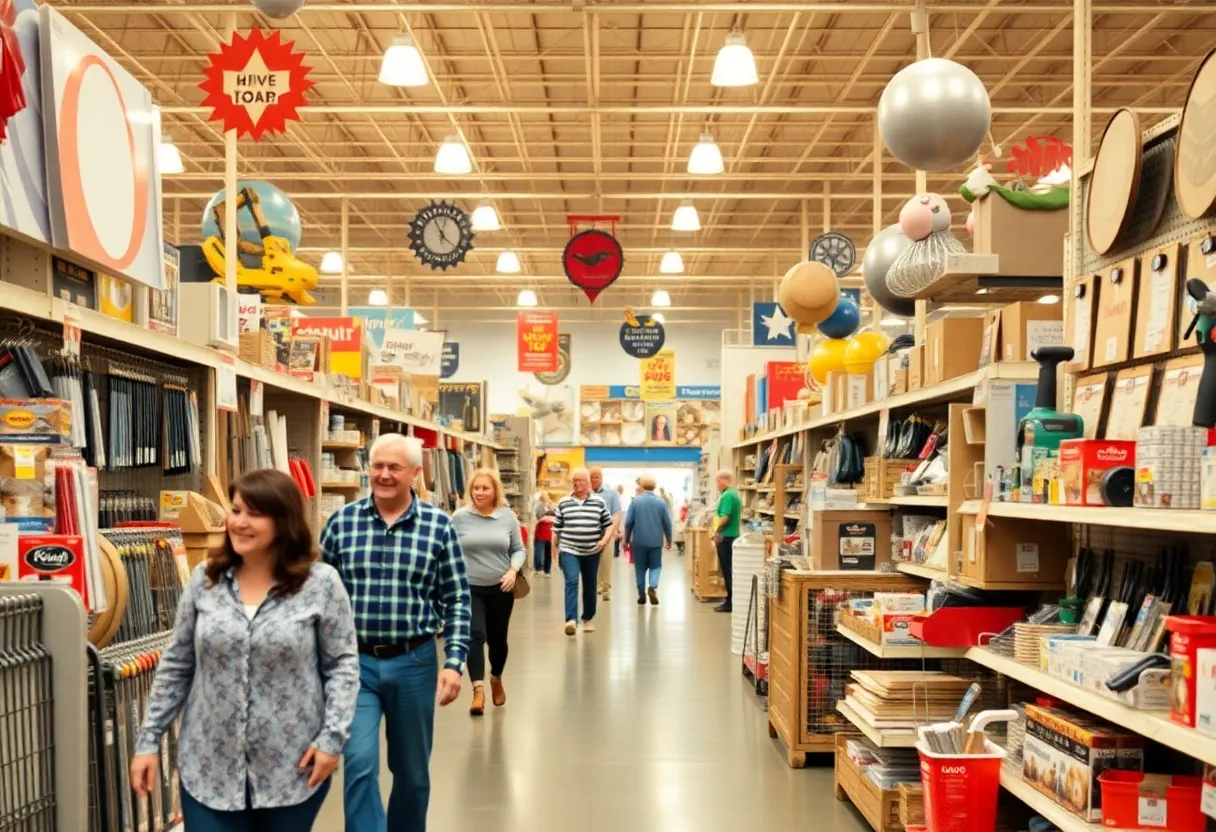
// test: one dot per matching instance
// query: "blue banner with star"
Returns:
(771, 327)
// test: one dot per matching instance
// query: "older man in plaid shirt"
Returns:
(402, 565)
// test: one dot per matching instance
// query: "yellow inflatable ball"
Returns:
(808, 293)
(863, 350)
(827, 357)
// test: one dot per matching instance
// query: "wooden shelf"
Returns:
(973, 278)
(884, 651)
(1153, 725)
(921, 571)
(1152, 519)
(341, 446)
(340, 486)
(935, 501)
(1055, 814)
(883, 739)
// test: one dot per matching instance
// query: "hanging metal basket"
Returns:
(922, 263)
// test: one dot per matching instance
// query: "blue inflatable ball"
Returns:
(843, 322)
(280, 213)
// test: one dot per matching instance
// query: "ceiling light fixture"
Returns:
(508, 263)
(526, 298)
(420, 319)
(485, 218)
(168, 157)
(1048, 300)
(686, 217)
(660, 296)
(453, 157)
(331, 263)
(402, 65)
(377, 297)
(657, 316)
(672, 263)
(735, 65)
(706, 158)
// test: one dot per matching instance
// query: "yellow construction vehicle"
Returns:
(270, 268)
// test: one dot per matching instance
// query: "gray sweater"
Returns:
(491, 545)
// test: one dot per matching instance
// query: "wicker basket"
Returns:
(258, 348)
(881, 477)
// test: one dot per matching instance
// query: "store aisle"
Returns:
(641, 726)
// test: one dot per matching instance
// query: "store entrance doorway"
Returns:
(674, 481)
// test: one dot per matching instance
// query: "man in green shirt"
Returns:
(726, 529)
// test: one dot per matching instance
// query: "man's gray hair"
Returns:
(577, 471)
(410, 446)
(727, 475)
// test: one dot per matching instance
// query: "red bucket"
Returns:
(961, 790)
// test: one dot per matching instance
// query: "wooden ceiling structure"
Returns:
(592, 107)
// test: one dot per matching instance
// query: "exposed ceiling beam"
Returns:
(617, 8)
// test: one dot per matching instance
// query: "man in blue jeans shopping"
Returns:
(582, 528)
(402, 566)
(648, 531)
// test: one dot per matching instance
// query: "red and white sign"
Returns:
(255, 83)
(537, 342)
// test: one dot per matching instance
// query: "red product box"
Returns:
(52, 557)
(1188, 635)
(1083, 462)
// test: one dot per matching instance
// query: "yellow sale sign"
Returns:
(659, 377)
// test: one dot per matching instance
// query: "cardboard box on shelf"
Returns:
(952, 348)
(851, 540)
(859, 389)
(1017, 553)
(1005, 230)
(916, 368)
(1013, 332)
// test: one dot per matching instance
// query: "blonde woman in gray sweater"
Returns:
(493, 548)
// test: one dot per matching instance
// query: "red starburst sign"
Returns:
(255, 83)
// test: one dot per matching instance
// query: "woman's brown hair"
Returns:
(275, 495)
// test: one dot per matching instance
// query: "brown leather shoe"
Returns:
(478, 706)
(497, 692)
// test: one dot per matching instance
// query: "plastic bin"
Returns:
(1133, 800)
(961, 791)
(1188, 635)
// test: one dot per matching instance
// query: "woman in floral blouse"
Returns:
(263, 659)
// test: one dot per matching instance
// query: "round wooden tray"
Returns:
(1115, 182)
(1195, 157)
(114, 575)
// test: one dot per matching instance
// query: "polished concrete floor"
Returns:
(645, 725)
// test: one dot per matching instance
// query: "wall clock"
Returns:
(441, 235)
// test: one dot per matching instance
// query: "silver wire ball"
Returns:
(934, 115)
(882, 251)
(278, 9)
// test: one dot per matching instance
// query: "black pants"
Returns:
(491, 620)
(726, 554)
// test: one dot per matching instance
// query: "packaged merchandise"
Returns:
(1188, 635)
(1083, 464)
(27, 494)
(51, 557)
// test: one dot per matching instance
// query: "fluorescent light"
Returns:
(1049, 299)
(672, 263)
(168, 157)
(508, 263)
(735, 65)
(377, 297)
(657, 316)
(660, 296)
(453, 157)
(402, 65)
(331, 263)
(705, 159)
(485, 218)
(526, 297)
(686, 218)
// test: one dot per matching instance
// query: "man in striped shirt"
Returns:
(582, 528)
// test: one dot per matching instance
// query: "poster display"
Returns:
(377, 320)
(536, 341)
(659, 377)
(661, 423)
(462, 406)
(449, 361)
(345, 343)
(616, 415)
(417, 352)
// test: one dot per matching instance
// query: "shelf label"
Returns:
(256, 398)
(225, 384)
(1028, 557)
(71, 337)
(1151, 811)
(1208, 800)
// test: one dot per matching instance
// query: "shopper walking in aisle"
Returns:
(489, 536)
(613, 501)
(401, 562)
(726, 529)
(263, 659)
(542, 535)
(582, 530)
(648, 531)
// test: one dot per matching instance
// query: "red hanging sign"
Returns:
(12, 67)
(1040, 156)
(255, 83)
(593, 259)
(537, 342)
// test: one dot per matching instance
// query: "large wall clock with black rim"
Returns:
(441, 235)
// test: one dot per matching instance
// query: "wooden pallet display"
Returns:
(880, 807)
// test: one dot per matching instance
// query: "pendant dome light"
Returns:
(377, 297)
(168, 157)
(452, 157)
(672, 263)
(661, 297)
(706, 158)
(331, 263)
(526, 298)
(508, 263)
(686, 217)
(402, 64)
(735, 66)
(485, 217)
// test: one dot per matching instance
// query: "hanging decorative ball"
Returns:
(843, 321)
(862, 350)
(808, 292)
(922, 215)
(827, 357)
(278, 9)
(934, 115)
(887, 245)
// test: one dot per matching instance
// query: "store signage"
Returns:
(593, 260)
(449, 362)
(659, 377)
(417, 352)
(641, 335)
(255, 83)
(1039, 156)
(536, 341)
(345, 342)
(771, 327)
(563, 363)
(12, 67)
(595, 393)
(377, 319)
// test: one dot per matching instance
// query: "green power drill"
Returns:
(1041, 431)
(1201, 325)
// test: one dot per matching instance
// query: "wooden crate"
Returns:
(911, 805)
(707, 581)
(863, 628)
(880, 807)
(881, 477)
(258, 348)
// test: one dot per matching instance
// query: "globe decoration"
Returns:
(925, 220)
(808, 292)
(844, 321)
(281, 216)
(827, 357)
(862, 350)
(882, 251)
(934, 115)
(278, 9)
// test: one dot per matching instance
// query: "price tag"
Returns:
(257, 395)
(1028, 557)
(1151, 811)
(71, 337)
(1207, 802)
(225, 384)
(884, 422)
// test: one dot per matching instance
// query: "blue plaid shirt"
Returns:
(404, 580)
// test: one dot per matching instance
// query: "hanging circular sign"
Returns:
(834, 250)
(593, 260)
(560, 374)
(255, 83)
(642, 336)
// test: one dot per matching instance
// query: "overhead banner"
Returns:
(536, 341)
(345, 342)
(641, 335)
(563, 363)
(450, 362)
(417, 352)
(255, 83)
(378, 319)
(659, 377)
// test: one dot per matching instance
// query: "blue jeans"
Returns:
(542, 555)
(647, 558)
(402, 690)
(298, 818)
(588, 567)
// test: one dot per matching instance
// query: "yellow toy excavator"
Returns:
(271, 268)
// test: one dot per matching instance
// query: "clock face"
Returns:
(441, 235)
